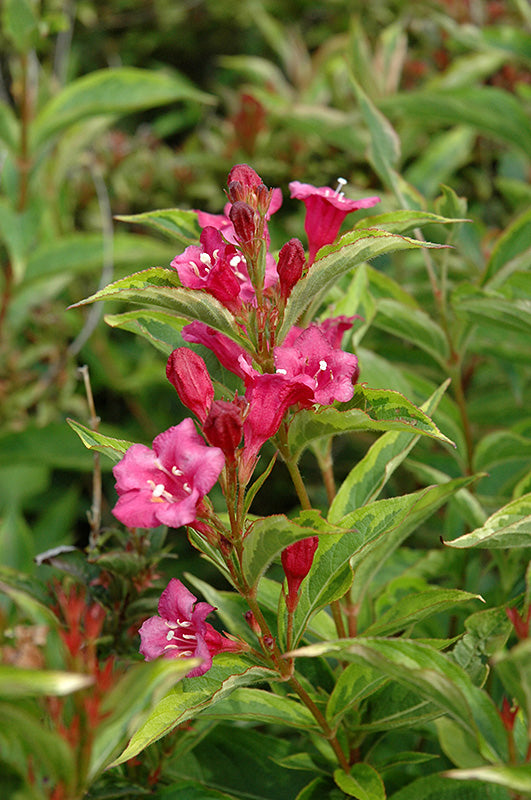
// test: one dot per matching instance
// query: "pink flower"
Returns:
(212, 266)
(165, 485)
(329, 372)
(297, 560)
(181, 631)
(226, 351)
(325, 211)
(187, 372)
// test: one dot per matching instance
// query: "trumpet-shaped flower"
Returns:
(325, 211)
(181, 630)
(165, 485)
(327, 371)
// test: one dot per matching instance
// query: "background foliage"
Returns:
(119, 108)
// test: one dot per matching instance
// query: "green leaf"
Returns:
(130, 701)
(492, 112)
(369, 410)
(80, 253)
(37, 742)
(510, 526)
(392, 521)
(414, 326)
(355, 683)
(176, 223)
(404, 221)
(435, 787)
(492, 310)
(384, 144)
(161, 328)
(516, 239)
(433, 676)
(457, 744)
(197, 694)
(257, 705)
(20, 24)
(415, 607)
(114, 448)
(363, 782)
(266, 539)
(161, 288)
(18, 682)
(334, 261)
(367, 478)
(120, 90)
(439, 159)
(515, 777)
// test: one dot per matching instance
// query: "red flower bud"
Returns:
(187, 372)
(223, 427)
(245, 175)
(297, 560)
(291, 261)
(242, 217)
(520, 623)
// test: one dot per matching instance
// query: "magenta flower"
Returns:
(165, 485)
(325, 211)
(181, 631)
(213, 266)
(329, 372)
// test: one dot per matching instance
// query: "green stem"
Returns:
(321, 721)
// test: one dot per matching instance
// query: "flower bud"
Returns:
(245, 175)
(297, 560)
(223, 427)
(291, 261)
(242, 217)
(188, 373)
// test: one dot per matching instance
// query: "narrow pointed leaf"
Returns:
(416, 607)
(130, 701)
(335, 260)
(18, 682)
(257, 705)
(161, 288)
(414, 326)
(370, 409)
(406, 220)
(114, 448)
(515, 777)
(179, 224)
(120, 90)
(434, 677)
(508, 527)
(368, 477)
(197, 694)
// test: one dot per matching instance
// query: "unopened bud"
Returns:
(297, 560)
(252, 623)
(291, 261)
(188, 373)
(242, 217)
(245, 175)
(223, 427)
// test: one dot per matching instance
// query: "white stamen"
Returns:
(176, 471)
(215, 254)
(184, 623)
(159, 490)
(323, 365)
(185, 654)
(340, 183)
(187, 488)
(235, 260)
(205, 259)
(281, 371)
(188, 636)
(170, 635)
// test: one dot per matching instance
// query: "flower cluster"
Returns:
(306, 368)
